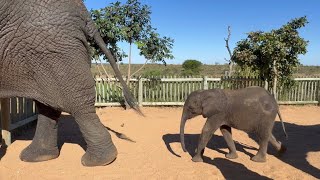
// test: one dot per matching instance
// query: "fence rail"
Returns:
(173, 91)
(15, 112)
(155, 92)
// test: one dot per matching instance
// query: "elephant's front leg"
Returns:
(100, 148)
(227, 135)
(44, 145)
(208, 129)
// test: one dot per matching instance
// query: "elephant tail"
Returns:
(182, 125)
(127, 94)
(283, 127)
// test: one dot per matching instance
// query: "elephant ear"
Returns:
(213, 102)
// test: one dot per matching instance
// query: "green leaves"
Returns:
(274, 53)
(136, 21)
(155, 48)
(131, 22)
(108, 21)
(191, 67)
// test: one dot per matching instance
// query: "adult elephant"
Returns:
(44, 55)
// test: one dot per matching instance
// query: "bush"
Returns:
(191, 67)
(152, 73)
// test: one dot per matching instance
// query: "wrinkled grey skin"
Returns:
(44, 55)
(251, 109)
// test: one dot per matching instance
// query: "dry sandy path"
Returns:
(155, 155)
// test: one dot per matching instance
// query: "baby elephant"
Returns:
(251, 109)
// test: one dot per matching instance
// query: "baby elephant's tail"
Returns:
(283, 127)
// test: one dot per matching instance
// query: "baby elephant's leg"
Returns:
(279, 147)
(263, 135)
(227, 134)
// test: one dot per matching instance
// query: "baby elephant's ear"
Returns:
(212, 105)
(207, 107)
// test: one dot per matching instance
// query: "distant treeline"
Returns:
(176, 70)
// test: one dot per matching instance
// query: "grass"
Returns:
(206, 70)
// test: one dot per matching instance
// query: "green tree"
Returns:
(108, 20)
(152, 73)
(131, 22)
(136, 24)
(273, 54)
(155, 49)
(191, 67)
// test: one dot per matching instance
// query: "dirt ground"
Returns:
(157, 153)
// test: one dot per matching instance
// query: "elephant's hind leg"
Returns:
(278, 145)
(227, 135)
(100, 148)
(263, 134)
(44, 145)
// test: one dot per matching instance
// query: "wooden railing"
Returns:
(15, 112)
(173, 91)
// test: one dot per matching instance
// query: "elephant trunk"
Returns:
(182, 125)
(129, 98)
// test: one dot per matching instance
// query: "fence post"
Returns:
(140, 92)
(318, 93)
(266, 85)
(205, 82)
(5, 121)
(221, 82)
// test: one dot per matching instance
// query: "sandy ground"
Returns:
(157, 153)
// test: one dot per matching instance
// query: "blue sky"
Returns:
(199, 27)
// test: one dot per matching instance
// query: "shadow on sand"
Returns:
(301, 141)
(234, 170)
(191, 140)
(3, 149)
(68, 132)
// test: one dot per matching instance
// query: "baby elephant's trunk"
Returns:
(182, 124)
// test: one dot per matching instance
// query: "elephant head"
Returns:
(201, 102)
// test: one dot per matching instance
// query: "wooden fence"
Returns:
(15, 112)
(173, 91)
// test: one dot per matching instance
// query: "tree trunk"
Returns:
(229, 51)
(129, 74)
(129, 65)
(275, 80)
(230, 68)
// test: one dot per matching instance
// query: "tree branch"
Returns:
(140, 68)
(229, 51)
(97, 65)
(105, 71)
(227, 42)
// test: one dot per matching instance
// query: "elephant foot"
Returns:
(197, 158)
(232, 155)
(38, 154)
(259, 158)
(282, 150)
(99, 159)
